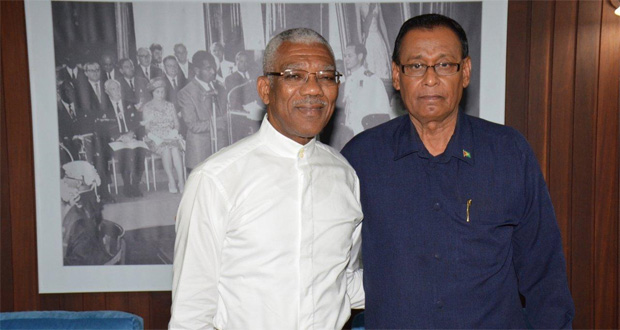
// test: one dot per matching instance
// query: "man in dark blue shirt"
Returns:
(459, 230)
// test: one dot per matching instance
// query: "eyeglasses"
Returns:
(327, 78)
(419, 69)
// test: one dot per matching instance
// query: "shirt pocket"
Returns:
(484, 235)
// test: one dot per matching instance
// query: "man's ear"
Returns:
(264, 88)
(395, 76)
(466, 71)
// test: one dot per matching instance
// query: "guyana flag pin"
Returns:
(466, 154)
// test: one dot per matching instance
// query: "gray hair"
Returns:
(296, 35)
(108, 83)
(143, 50)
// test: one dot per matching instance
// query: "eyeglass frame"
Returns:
(434, 66)
(281, 74)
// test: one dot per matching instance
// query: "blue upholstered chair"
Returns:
(70, 320)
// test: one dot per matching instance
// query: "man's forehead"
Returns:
(303, 55)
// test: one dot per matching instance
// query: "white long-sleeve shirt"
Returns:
(364, 95)
(268, 234)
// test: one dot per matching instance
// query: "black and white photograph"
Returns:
(146, 91)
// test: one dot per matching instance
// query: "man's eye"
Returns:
(327, 77)
(293, 76)
(443, 65)
(417, 66)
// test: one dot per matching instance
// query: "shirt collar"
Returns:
(204, 85)
(461, 146)
(283, 145)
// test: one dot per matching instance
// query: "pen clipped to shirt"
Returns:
(468, 206)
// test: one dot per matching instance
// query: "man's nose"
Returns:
(430, 77)
(312, 86)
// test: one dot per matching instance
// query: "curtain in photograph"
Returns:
(83, 29)
(275, 19)
(123, 31)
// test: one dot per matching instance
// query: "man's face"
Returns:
(217, 51)
(127, 69)
(144, 57)
(114, 91)
(181, 53)
(69, 94)
(157, 56)
(107, 63)
(205, 72)
(299, 112)
(242, 63)
(93, 72)
(431, 98)
(171, 67)
(351, 60)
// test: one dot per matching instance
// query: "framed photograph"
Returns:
(115, 138)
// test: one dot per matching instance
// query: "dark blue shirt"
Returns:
(432, 261)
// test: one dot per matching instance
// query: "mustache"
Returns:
(310, 101)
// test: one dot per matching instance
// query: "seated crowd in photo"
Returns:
(112, 114)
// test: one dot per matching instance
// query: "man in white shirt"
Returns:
(224, 67)
(180, 52)
(365, 97)
(268, 230)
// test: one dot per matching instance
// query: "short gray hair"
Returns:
(108, 83)
(296, 35)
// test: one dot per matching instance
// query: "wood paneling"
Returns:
(561, 118)
(540, 80)
(606, 308)
(517, 58)
(6, 250)
(571, 120)
(20, 164)
(562, 93)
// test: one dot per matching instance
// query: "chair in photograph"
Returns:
(149, 161)
(112, 164)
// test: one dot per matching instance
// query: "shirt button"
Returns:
(301, 153)
(437, 255)
(437, 206)
(439, 304)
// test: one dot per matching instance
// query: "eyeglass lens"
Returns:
(327, 78)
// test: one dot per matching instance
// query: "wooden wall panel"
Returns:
(581, 136)
(94, 301)
(519, 39)
(539, 80)
(584, 142)
(561, 118)
(20, 161)
(606, 308)
(6, 250)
